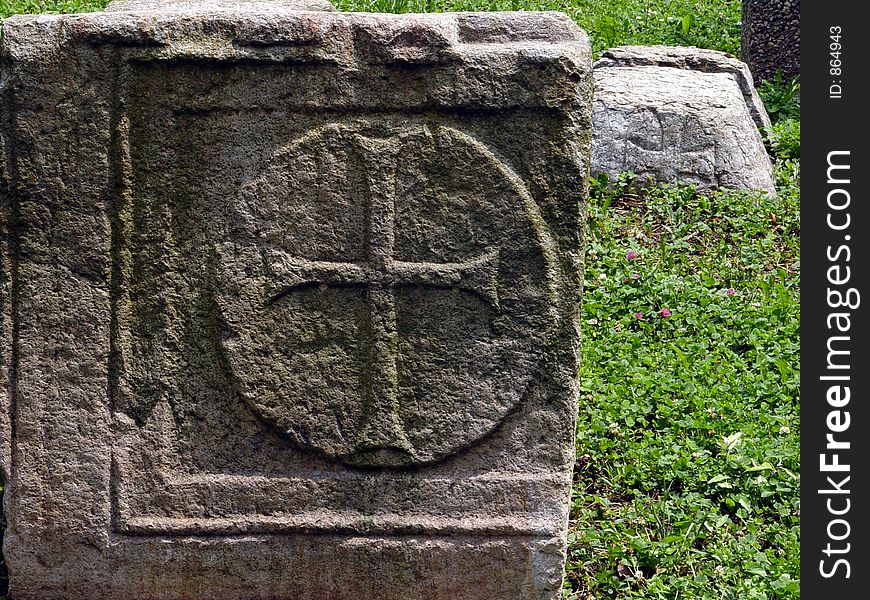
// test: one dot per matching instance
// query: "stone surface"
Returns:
(679, 114)
(290, 302)
(693, 59)
(200, 6)
(770, 37)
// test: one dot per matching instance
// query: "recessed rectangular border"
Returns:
(540, 519)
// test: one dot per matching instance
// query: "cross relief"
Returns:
(381, 274)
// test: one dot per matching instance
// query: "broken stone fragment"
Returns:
(679, 114)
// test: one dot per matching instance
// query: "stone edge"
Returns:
(544, 29)
(49, 30)
(218, 5)
(694, 59)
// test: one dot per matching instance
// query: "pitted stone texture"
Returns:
(295, 302)
(412, 252)
(199, 6)
(693, 59)
(770, 37)
(674, 116)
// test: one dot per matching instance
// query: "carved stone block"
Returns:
(290, 301)
(679, 115)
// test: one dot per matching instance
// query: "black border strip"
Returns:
(834, 332)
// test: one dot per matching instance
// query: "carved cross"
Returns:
(381, 274)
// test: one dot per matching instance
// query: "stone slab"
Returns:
(679, 114)
(691, 59)
(202, 6)
(290, 302)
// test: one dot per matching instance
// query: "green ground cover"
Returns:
(687, 479)
(703, 23)
(687, 473)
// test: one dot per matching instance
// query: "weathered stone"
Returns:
(770, 37)
(693, 59)
(679, 115)
(289, 302)
(216, 5)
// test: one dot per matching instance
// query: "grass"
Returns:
(703, 23)
(609, 23)
(687, 472)
(15, 7)
(4, 575)
(687, 478)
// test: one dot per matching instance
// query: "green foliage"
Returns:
(687, 477)
(609, 23)
(687, 473)
(4, 576)
(14, 7)
(785, 139)
(781, 98)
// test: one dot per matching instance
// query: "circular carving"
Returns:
(385, 292)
